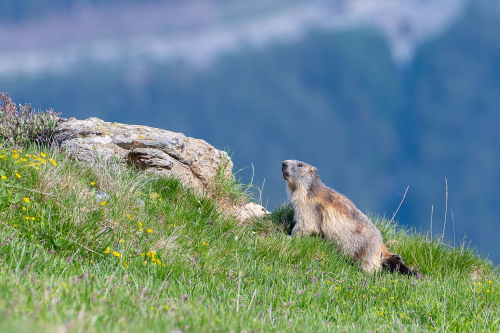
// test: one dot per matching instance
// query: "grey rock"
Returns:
(249, 211)
(193, 161)
(101, 196)
(145, 158)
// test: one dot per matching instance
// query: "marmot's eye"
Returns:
(300, 165)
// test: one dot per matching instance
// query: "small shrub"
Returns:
(283, 216)
(226, 189)
(22, 124)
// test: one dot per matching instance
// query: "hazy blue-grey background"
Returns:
(379, 95)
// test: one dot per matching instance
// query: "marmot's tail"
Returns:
(393, 263)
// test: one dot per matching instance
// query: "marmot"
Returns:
(323, 211)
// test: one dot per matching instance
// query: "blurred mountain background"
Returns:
(379, 95)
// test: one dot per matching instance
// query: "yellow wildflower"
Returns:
(92, 183)
(107, 250)
(149, 231)
(4, 177)
(23, 159)
(27, 155)
(140, 224)
(103, 203)
(121, 240)
(153, 252)
(140, 229)
(26, 199)
(15, 156)
(154, 195)
(42, 154)
(27, 218)
(32, 218)
(63, 284)
(24, 208)
(18, 175)
(116, 254)
(91, 261)
(144, 263)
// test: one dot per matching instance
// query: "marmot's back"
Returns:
(345, 224)
(321, 210)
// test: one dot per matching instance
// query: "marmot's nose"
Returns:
(284, 165)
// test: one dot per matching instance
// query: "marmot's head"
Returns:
(299, 174)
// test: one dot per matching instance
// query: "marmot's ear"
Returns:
(312, 169)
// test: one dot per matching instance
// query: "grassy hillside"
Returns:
(152, 256)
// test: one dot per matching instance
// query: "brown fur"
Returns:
(323, 211)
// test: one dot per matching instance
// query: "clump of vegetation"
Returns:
(281, 220)
(225, 185)
(22, 124)
(110, 248)
(284, 216)
(227, 190)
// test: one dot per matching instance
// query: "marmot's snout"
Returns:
(284, 169)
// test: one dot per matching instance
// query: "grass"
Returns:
(152, 256)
